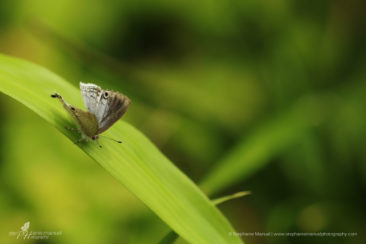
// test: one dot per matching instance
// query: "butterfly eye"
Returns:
(72, 108)
(106, 94)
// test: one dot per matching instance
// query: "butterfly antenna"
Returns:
(111, 139)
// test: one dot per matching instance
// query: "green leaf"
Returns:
(136, 163)
(172, 236)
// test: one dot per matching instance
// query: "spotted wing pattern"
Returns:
(116, 106)
(107, 106)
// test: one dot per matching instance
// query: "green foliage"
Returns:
(136, 163)
(273, 137)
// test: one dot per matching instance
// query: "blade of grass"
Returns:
(255, 151)
(223, 199)
(136, 163)
(172, 236)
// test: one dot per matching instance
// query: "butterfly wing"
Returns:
(91, 95)
(107, 106)
(115, 106)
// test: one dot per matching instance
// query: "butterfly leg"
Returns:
(71, 129)
(80, 140)
(83, 138)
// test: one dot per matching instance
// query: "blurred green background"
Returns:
(266, 96)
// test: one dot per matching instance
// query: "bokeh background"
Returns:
(275, 89)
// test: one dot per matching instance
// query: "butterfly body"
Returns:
(104, 108)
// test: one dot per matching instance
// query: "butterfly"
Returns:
(104, 108)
